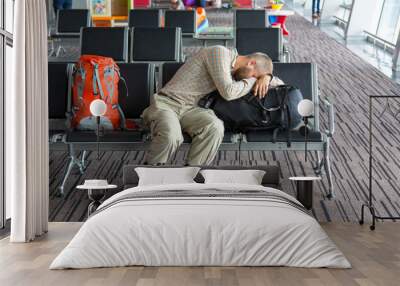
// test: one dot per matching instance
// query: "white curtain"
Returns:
(27, 124)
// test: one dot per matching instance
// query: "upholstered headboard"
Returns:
(271, 177)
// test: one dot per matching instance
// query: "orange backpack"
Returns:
(95, 77)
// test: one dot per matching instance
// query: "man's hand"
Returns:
(260, 88)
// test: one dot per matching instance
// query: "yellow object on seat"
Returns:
(276, 6)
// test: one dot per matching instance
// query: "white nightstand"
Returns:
(96, 193)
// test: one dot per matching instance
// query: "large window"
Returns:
(6, 63)
(389, 23)
(385, 20)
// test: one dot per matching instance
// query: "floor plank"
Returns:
(374, 255)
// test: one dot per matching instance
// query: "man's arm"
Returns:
(261, 86)
(218, 64)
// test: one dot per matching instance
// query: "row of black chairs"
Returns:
(165, 44)
(186, 19)
(140, 84)
(70, 21)
(151, 43)
(145, 44)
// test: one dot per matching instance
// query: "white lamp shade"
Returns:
(305, 108)
(98, 107)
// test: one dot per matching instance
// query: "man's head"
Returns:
(253, 65)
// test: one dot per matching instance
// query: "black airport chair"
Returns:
(139, 79)
(265, 40)
(184, 19)
(105, 41)
(70, 21)
(250, 18)
(145, 18)
(68, 25)
(156, 45)
(168, 71)
(304, 76)
(57, 97)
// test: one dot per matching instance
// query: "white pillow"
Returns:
(248, 177)
(166, 176)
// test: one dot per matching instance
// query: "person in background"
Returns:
(201, 3)
(177, 5)
(61, 4)
(316, 8)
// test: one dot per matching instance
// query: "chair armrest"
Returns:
(286, 54)
(331, 116)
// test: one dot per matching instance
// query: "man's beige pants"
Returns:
(167, 119)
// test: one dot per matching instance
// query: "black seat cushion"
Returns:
(124, 136)
(267, 136)
(184, 19)
(138, 78)
(58, 90)
(264, 40)
(155, 44)
(251, 18)
(72, 20)
(106, 42)
(169, 70)
(299, 75)
(227, 137)
(149, 18)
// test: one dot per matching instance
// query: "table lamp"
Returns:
(98, 108)
(305, 109)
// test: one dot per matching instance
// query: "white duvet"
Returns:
(200, 231)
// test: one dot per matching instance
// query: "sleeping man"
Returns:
(175, 107)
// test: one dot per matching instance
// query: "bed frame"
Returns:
(270, 179)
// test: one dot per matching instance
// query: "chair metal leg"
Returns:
(319, 164)
(73, 161)
(66, 175)
(83, 162)
(52, 51)
(59, 50)
(327, 167)
(286, 56)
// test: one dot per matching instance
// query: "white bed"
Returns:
(264, 229)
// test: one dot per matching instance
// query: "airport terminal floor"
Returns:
(344, 77)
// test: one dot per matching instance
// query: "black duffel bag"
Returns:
(277, 111)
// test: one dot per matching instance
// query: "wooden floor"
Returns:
(375, 257)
